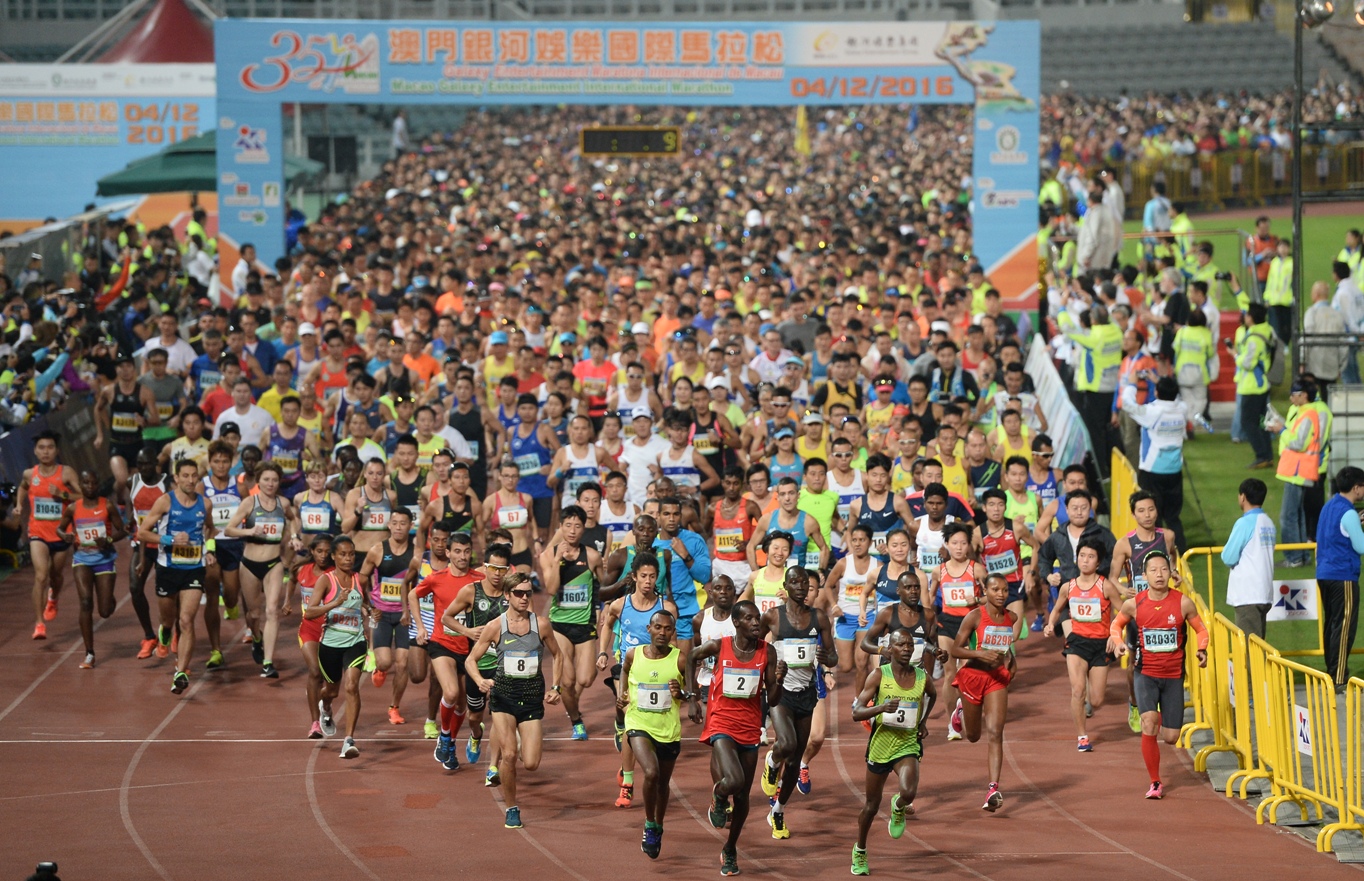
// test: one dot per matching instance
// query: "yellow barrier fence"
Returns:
(1120, 489)
(1306, 764)
(1354, 756)
(1208, 553)
(1257, 689)
(1203, 694)
(1229, 676)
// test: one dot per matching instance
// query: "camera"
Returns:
(1223, 276)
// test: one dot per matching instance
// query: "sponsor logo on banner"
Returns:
(270, 195)
(241, 197)
(1302, 730)
(255, 218)
(1006, 152)
(996, 199)
(323, 62)
(858, 45)
(1294, 600)
(250, 146)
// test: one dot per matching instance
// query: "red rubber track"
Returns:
(109, 774)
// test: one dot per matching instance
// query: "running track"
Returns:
(111, 776)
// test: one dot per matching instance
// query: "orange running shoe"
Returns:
(395, 717)
(145, 651)
(40, 631)
(627, 795)
(378, 677)
(247, 638)
(50, 610)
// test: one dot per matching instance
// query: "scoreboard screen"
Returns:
(630, 141)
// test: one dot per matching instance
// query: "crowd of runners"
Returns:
(728, 473)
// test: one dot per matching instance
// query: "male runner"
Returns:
(44, 493)
(478, 604)
(572, 575)
(447, 648)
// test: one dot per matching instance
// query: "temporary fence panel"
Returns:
(1229, 676)
(1207, 555)
(1204, 696)
(1354, 754)
(1124, 483)
(1257, 690)
(1307, 766)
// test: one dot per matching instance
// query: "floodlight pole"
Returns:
(1296, 281)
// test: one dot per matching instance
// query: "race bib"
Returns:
(996, 638)
(904, 717)
(654, 698)
(853, 589)
(595, 386)
(222, 515)
(728, 541)
(165, 411)
(90, 532)
(798, 652)
(878, 543)
(1139, 583)
(415, 512)
(528, 464)
(1001, 564)
(1086, 611)
(272, 529)
(375, 519)
(958, 594)
(1160, 641)
(576, 597)
(287, 464)
(124, 422)
(513, 518)
(812, 558)
(187, 553)
(521, 665)
(704, 443)
(315, 520)
(929, 559)
(344, 621)
(765, 603)
(391, 590)
(740, 682)
(209, 378)
(47, 509)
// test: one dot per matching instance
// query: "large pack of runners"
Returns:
(737, 473)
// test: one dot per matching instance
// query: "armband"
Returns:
(211, 546)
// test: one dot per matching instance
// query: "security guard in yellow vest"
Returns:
(1194, 352)
(1299, 466)
(1208, 272)
(1181, 238)
(1253, 355)
(1096, 375)
(1279, 291)
(1052, 191)
(1351, 254)
(1316, 494)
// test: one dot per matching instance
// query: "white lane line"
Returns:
(322, 821)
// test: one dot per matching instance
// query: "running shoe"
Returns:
(215, 660)
(492, 778)
(248, 637)
(40, 631)
(620, 777)
(50, 610)
(954, 723)
(430, 729)
(327, 723)
(444, 746)
(762, 736)
(859, 862)
(729, 862)
(777, 820)
(653, 840)
(472, 750)
(179, 682)
(579, 731)
(896, 826)
(1134, 719)
(618, 731)
(719, 809)
(627, 795)
(145, 650)
(89, 662)
(771, 779)
(994, 799)
(1083, 745)
(268, 671)
(163, 639)
(378, 677)
(395, 717)
(348, 748)
(938, 671)
(1156, 791)
(257, 651)
(1037, 624)
(451, 762)
(315, 732)
(803, 785)
(232, 613)
(1089, 709)
(513, 820)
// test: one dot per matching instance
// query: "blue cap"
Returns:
(498, 336)
(568, 338)
(784, 431)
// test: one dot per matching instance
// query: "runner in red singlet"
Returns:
(1090, 598)
(743, 665)
(955, 587)
(1160, 613)
(983, 679)
(1002, 550)
(44, 493)
(308, 569)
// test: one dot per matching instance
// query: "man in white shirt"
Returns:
(179, 354)
(1349, 302)
(252, 419)
(768, 363)
(638, 453)
(1326, 360)
(1249, 552)
(1100, 236)
(243, 269)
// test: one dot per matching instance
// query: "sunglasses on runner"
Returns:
(494, 568)
(523, 594)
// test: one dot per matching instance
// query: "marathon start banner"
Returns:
(995, 67)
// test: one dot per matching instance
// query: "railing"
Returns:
(1207, 554)
(1354, 754)
(1257, 691)
(1230, 681)
(1203, 696)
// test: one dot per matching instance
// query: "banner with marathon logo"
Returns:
(993, 66)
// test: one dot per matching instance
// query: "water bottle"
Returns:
(1203, 423)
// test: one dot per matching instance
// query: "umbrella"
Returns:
(188, 166)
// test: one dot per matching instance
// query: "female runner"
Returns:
(984, 676)
(343, 605)
(510, 509)
(93, 526)
(848, 581)
(897, 549)
(262, 521)
(308, 570)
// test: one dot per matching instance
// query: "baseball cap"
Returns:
(717, 382)
(498, 337)
(884, 381)
(230, 428)
(307, 328)
(640, 327)
(641, 413)
(568, 337)
(812, 419)
(785, 431)
(940, 327)
(794, 359)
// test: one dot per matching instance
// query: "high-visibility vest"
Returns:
(1101, 356)
(1255, 380)
(1182, 229)
(1327, 423)
(1193, 345)
(1300, 467)
(1279, 282)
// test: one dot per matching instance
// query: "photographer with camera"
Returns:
(1253, 352)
